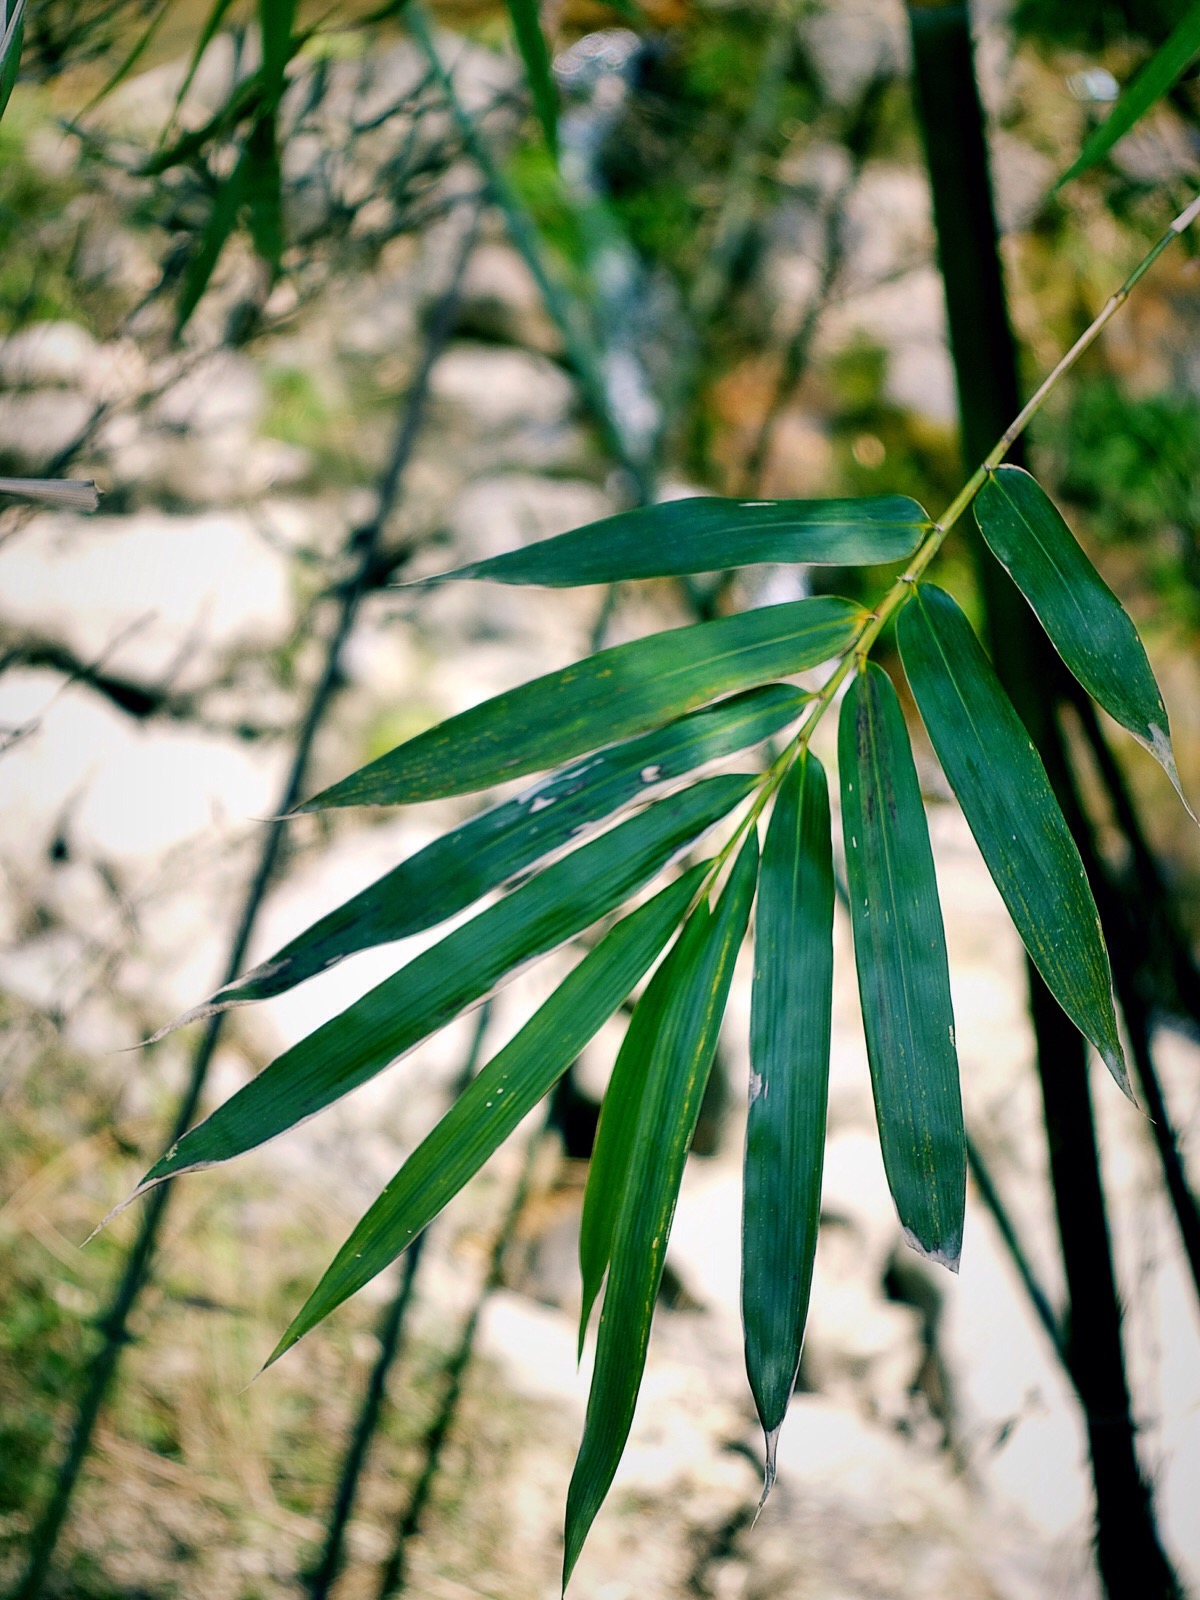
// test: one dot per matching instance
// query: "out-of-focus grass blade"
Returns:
(1167, 63)
(790, 1023)
(207, 34)
(227, 203)
(1086, 622)
(72, 494)
(276, 19)
(457, 869)
(244, 102)
(611, 695)
(903, 978)
(493, 1105)
(12, 36)
(264, 192)
(462, 968)
(676, 1075)
(1006, 797)
(616, 1131)
(531, 42)
(707, 534)
(140, 45)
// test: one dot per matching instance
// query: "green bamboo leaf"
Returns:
(12, 37)
(709, 534)
(276, 19)
(486, 852)
(207, 34)
(531, 42)
(1085, 621)
(140, 45)
(1006, 797)
(903, 978)
(227, 204)
(1167, 64)
(616, 1132)
(612, 695)
(264, 192)
(790, 1023)
(494, 1104)
(462, 968)
(245, 101)
(676, 1075)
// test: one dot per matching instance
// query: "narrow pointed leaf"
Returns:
(1086, 622)
(486, 852)
(790, 1024)
(616, 1132)
(677, 1073)
(708, 534)
(207, 34)
(264, 192)
(494, 1104)
(612, 695)
(276, 19)
(531, 42)
(227, 204)
(1167, 64)
(1007, 800)
(903, 977)
(12, 37)
(464, 967)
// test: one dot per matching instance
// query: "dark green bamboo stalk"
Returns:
(1130, 1556)
(113, 1324)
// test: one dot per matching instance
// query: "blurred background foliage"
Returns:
(740, 218)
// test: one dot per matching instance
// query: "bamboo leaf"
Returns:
(616, 1131)
(616, 693)
(531, 42)
(207, 34)
(790, 1024)
(462, 968)
(1007, 800)
(1167, 64)
(676, 1075)
(494, 1104)
(1086, 622)
(903, 978)
(709, 534)
(486, 852)
(276, 19)
(227, 204)
(264, 192)
(12, 37)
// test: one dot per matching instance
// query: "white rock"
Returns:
(495, 389)
(47, 355)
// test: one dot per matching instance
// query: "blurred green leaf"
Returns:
(227, 204)
(207, 34)
(276, 20)
(462, 968)
(493, 1105)
(1086, 622)
(903, 978)
(457, 869)
(1167, 64)
(709, 534)
(12, 36)
(1006, 798)
(790, 1024)
(676, 1074)
(140, 45)
(608, 696)
(531, 42)
(264, 192)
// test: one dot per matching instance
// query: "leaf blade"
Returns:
(531, 42)
(1011, 810)
(903, 974)
(493, 1105)
(1169, 61)
(490, 849)
(615, 694)
(1084, 620)
(709, 534)
(678, 1073)
(791, 1020)
(441, 982)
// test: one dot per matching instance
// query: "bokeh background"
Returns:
(741, 218)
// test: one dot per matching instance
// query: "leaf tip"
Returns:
(771, 1444)
(947, 1253)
